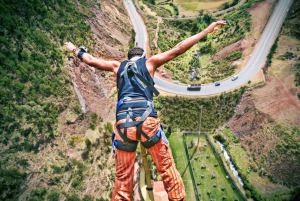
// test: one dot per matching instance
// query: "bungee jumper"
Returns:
(136, 117)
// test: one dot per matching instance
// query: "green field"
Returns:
(176, 142)
(214, 185)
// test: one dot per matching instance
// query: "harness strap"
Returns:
(132, 145)
(131, 65)
(125, 129)
(153, 140)
(124, 137)
(128, 124)
(146, 82)
(138, 124)
(126, 146)
(146, 113)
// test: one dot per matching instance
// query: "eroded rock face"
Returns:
(240, 45)
(112, 30)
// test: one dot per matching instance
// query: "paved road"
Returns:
(257, 59)
(140, 30)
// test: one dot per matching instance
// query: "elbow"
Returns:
(179, 49)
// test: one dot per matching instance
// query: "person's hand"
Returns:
(70, 46)
(214, 26)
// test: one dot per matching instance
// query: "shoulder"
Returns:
(150, 66)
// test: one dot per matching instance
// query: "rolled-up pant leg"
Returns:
(162, 156)
(123, 187)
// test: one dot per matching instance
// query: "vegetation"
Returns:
(272, 52)
(292, 22)
(35, 90)
(216, 110)
(211, 178)
(162, 8)
(11, 181)
(291, 28)
(198, 59)
(181, 160)
(228, 5)
(297, 77)
(34, 86)
(252, 167)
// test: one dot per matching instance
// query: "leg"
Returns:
(123, 187)
(162, 156)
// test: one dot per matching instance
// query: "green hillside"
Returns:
(34, 85)
(38, 160)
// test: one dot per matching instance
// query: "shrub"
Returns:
(56, 169)
(220, 138)
(39, 192)
(248, 194)
(92, 126)
(73, 197)
(53, 196)
(88, 143)
(88, 198)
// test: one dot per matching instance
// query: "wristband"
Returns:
(74, 51)
(83, 48)
(80, 54)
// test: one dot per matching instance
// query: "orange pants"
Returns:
(161, 155)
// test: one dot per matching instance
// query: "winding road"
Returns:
(258, 56)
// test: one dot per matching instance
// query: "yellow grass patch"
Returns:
(185, 6)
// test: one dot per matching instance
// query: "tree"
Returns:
(11, 181)
(53, 196)
(24, 55)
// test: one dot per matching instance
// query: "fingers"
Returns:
(214, 26)
(66, 44)
(69, 46)
(221, 22)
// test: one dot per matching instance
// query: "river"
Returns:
(231, 166)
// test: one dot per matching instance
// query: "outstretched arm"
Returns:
(93, 61)
(157, 60)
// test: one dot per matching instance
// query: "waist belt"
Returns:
(128, 102)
